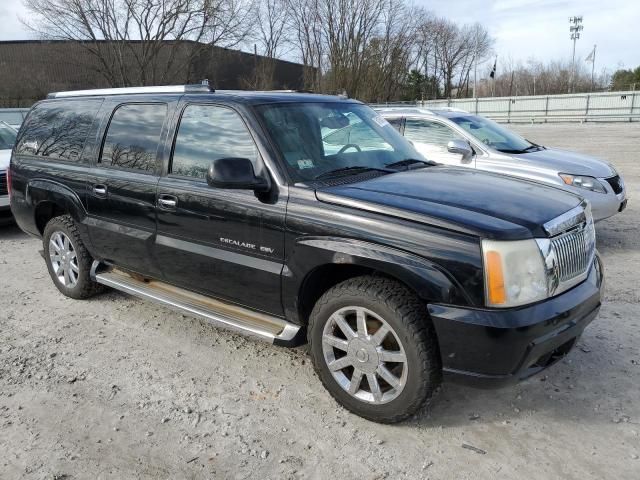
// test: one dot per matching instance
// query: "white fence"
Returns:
(602, 106)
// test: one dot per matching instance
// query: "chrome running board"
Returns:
(232, 317)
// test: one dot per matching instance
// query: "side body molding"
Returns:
(431, 282)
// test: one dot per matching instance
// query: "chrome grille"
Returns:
(574, 251)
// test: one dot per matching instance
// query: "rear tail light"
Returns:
(9, 182)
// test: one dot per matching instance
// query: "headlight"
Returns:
(582, 181)
(514, 273)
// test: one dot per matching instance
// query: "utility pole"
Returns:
(593, 65)
(475, 70)
(575, 27)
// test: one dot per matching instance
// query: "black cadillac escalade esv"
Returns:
(294, 217)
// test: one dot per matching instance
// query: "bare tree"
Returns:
(392, 52)
(306, 23)
(271, 19)
(142, 41)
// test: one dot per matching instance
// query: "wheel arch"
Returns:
(320, 263)
(51, 199)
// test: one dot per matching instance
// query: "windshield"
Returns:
(494, 135)
(7, 137)
(320, 139)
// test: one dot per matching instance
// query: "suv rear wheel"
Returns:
(374, 348)
(68, 261)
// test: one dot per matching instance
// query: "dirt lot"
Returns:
(118, 388)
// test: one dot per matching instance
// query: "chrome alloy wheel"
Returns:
(364, 355)
(64, 260)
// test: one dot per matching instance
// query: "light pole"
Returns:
(575, 27)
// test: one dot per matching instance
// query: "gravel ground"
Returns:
(118, 388)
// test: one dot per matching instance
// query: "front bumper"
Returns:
(491, 348)
(604, 205)
(5, 210)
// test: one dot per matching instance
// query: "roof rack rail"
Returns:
(195, 88)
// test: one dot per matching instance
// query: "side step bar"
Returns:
(232, 317)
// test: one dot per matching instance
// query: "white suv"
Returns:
(7, 139)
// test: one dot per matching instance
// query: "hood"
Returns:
(461, 199)
(5, 156)
(563, 161)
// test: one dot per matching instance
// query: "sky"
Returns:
(539, 29)
(523, 29)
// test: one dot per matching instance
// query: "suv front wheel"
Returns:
(68, 261)
(374, 348)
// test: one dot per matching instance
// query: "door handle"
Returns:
(100, 190)
(167, 202)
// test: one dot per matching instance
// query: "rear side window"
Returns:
(58, 130)
(208, 132)
(133, 137)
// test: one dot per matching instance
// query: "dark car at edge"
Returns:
(263, 212)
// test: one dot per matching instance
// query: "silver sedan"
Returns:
(455, 137)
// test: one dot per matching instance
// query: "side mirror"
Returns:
(460, 147)
(236, 173)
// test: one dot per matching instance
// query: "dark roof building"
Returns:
(30, 69)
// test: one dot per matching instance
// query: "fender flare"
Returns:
(44, 190)
(431, 282)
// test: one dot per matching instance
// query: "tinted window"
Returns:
(432, 133)
(133, 137)
(58, 129)
(208, 132)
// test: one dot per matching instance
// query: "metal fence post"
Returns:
(546, 108)
(476, 105)
(509, 112)
(586, 109)
(633, 104)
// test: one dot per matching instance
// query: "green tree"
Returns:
(415, 85)
(626, 79)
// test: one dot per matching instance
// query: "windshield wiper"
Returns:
(408, 162)
(530, 148)
(354, 169)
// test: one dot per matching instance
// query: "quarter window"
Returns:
(431, 133)
(133, 137)
(208, 132)
(58, 130)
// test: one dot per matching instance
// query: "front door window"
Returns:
(431, 138)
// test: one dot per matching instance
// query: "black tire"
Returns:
(407, 316)
(84, 286)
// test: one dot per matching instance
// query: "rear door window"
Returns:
(133, 137)
(58, 130)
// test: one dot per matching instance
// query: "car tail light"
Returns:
(9, 183)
